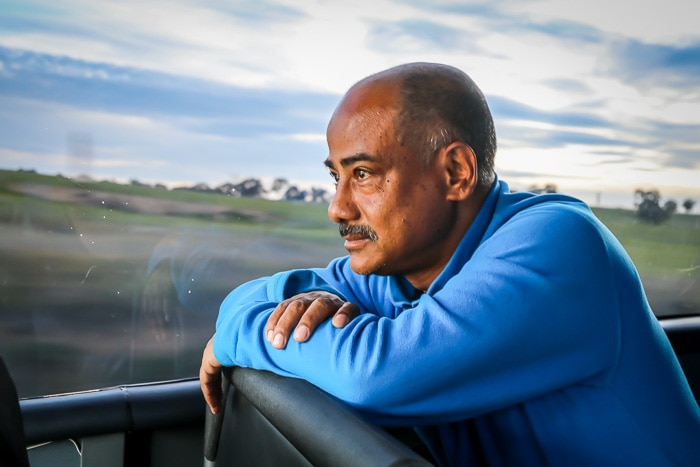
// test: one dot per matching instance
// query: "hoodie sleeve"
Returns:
(533, 309)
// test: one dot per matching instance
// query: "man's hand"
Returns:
(210, 378)
(303, 313)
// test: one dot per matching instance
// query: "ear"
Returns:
(460, 170)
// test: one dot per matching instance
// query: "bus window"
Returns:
(154, 156)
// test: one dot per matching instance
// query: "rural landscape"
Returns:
(104, 283)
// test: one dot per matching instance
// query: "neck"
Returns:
(465, 213)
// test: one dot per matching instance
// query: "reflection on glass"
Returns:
(104, 284)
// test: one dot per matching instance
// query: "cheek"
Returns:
(373, 205)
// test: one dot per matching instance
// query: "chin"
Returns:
(361, 267)
(365, 268)
(363, 271)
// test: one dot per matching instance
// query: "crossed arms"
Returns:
(301, 313)
(481, 340)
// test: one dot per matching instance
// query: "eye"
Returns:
(334, 175)
(361, 173)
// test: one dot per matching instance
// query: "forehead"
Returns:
(363, 123)
(362, 136)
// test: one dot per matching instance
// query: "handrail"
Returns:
(119, 409)
(324, 430)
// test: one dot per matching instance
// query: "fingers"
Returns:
(318, 311)
(210, 378)
(274, 319)
(346, 313)
(302, 314)
(285, 317)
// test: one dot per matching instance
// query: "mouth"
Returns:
(355, 242)
(356, 236)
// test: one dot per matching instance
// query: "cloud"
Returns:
(562, 30)
(215, 86)
(656, 64)
(206, 107)
(502, 17)
(260, 12)
(155, 126)
(420, 35)
(504, 108)
(568, 85)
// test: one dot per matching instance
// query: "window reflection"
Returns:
(104, 284)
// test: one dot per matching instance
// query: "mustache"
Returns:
(359, 229)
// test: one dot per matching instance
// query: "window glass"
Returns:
(105, 283)
(154, 156)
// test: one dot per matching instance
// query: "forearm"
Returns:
(452, 354)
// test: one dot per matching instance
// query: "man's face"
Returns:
(391, 207)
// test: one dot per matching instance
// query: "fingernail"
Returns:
(340, 320)
(270, 335)
(301, 333)
(278, 343)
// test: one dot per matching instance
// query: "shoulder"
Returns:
(550, 228)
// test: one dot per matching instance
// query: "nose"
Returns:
(342, 207)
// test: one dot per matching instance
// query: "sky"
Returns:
(599, 98)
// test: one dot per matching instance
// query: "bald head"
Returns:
(433, 105)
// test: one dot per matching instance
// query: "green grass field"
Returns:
(86, 294)
(667, 248)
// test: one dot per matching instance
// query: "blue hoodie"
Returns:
(534, 346)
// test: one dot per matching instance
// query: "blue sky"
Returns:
(597, 98)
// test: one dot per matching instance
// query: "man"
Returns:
(508, 328)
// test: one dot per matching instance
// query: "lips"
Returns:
(356, 236)
(352, 233)
(355, 242)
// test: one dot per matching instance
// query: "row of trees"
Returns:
(649, 209)
(253, 188)
(647, 203)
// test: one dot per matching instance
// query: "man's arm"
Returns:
(304, 311)
(481, 342)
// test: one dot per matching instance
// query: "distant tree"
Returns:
(641, 196)
(688, 205)
(279, 183)
(548, 188)
(228, 189)
(202, 188)
(250, 188)
(294, 194)
(319, 195)
(670, 207)
(649, 209)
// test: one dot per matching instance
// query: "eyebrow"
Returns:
(350, 160)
